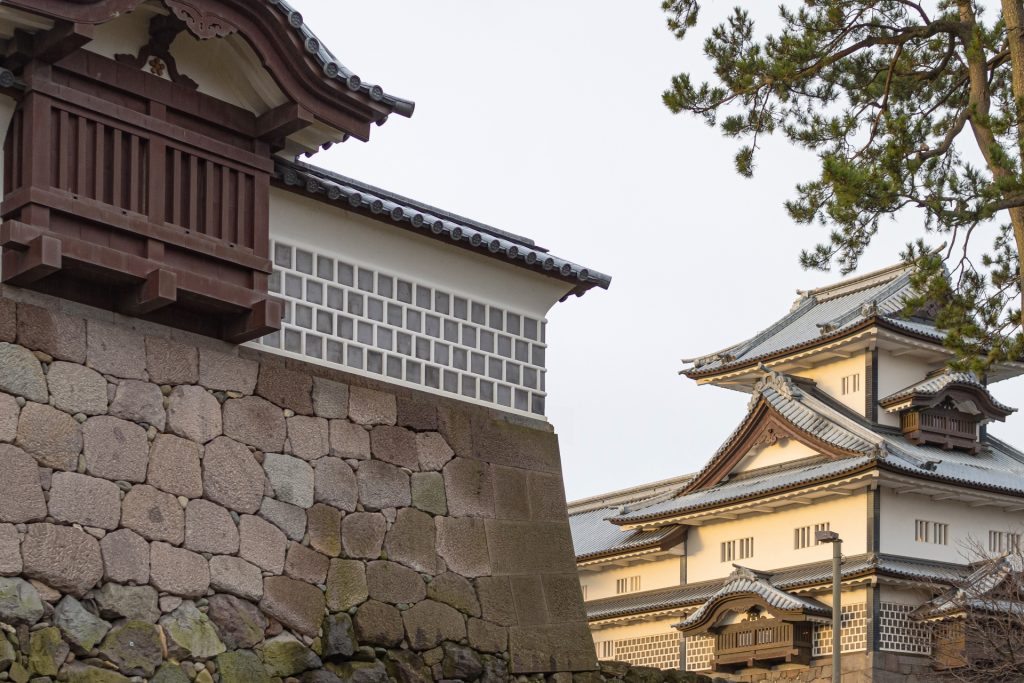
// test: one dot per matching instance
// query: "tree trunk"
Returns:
(1013, 15)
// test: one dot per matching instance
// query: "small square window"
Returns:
(346, 327)
(494, 368)
(324, 322)
(346, 274)
(433, 326)
(478, 363)
(374, 309)
(385, 286)
(513, 323)
(487, 341)
(304, 317)
(432, 377)
(460, 359)
(405, 291)
(497, 319)
(441, 354)
(479, 314)
(469, 336)
(413, 372)
(505, 395)
(384, 338)
(394, 315)
(355, 357)
(293, 341)
(451, 381)
(395, 367)
(283, 255)
(336, 298)
(441, 301)
(504, 346)
(355, 303)
(451, 331)
(366, 280)
(274, 283)
(314, 292)
(461, 308)
(486, 390)
(335, 352)
(325, 268)
(403, 343)
(314, 346)
(530, 328)
(413, 320)
(293, 286)
(375, 362)
(303, 261)
(423, 348)
(364, 333)
(469, 386)
(423, 297)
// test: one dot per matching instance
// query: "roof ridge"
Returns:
(855, 284)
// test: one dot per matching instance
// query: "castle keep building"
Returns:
(258, 420)
(854, 425)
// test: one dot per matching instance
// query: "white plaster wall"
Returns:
(786, 450)
(967, 526)
(904, 596)
(636, 629)
(317, 226)
(895, 373)
(829, 377)
(663, 573)
(773, 537)
(127, 34)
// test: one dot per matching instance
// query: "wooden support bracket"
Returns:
(160, 289)
(22, 267)
(264, 318)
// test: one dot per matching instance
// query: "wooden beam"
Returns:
(49, 46)
(280, 122)
(160, 289)
(42, 258)
(261, 320)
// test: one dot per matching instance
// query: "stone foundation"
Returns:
(858, 667)
(175, 509)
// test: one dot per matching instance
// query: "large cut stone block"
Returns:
(171, 363)
(362, 535)
(335, 484)
(369, 407)
(528, 596)
(295, 604)
(504, 443)
(53, 333)
(330, 399)
(139, 402)
(324, 524)
(236, 576)
(77, 389)
(291, 479)
(115, 449)
(232, 477)
(462, 544)
(349, 441)
(469, 488)
(410, 541)
(454, 590)
(309, 437)
(210, 529)
(22, 498)
(262, 543)
(174, 466)
(393, 583)
(378, 624)
(286, 388)
(428, 493)
(179, 572)
(10, 551)
(561, 647)
(78, 499)
(429, 623)
(21, 373)
(255, 422)
(417, 414)
(512, 493)
(227, 372)
(62, 557)
(52, 437)
(395, 445)
(433, 451)
(115, 350)
(496, 602)
(288, 518)
(305, 564)
(530, 547)
(154, 514)
(240, 623)
(139, 603)
(346, 585)
(563, 597)
(383, 486)
(547, 497)
(9, 412)
(125, 557)
(194, 414)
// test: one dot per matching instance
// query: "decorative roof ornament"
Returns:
(869, 309)
(776, 381)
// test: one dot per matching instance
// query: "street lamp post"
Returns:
(837, 608)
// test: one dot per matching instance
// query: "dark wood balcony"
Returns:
(947, 429)
(762, 643)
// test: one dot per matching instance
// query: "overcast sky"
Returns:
(545, 118)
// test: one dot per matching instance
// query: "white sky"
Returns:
(545, 118)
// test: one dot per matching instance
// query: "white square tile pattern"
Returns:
(361, 319)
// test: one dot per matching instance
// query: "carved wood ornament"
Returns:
(201, 23)
(156, 55)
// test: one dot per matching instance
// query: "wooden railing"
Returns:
(768, 640)
(747, 637)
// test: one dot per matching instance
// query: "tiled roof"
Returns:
(937, 382)
(744, 582)
(333, 68)
(823, 314)
(973, 593)
(998, 467)
(692, 595)
(438, 224)
(593, 535)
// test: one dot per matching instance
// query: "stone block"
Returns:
(469, 488)
(286, 388)
(255, 422)
(22, 499)
(19, 603)
(309, 437)
(305, 564)
(393, 583)
(454, 425)
(530, 547)
(178, 571)
(349, 441)
(64, 558)
(547, 497)
(194, 414)
(9, 412)
(383, 486)
(77, 389)
(395, 445)
(409, 667)
(432, 451)
(138, 603)
(241, 667)
(139, 402)
(378, 624)
(346, 585)
(339, 639)
(21, 374)
(504, 443)
(417, 414)
(58, 335)
(153, 514)
(335, 484)
(430, 623)
(232, 477)
(210, 529)
(284, 656)
(191, 633)
(511, 493)
(295, 604)
(134, 647)
(78, 499)
(53, 438)
(227, 372)
(115, 449)
(80, 627)
(563, 597)
(125, 557)
(79, 673)
(8, 320)
(428, 493)
(410, 541)
(115, 350)
(324, 526)
(462, 544)
(10, 551)
(528, 597)
(171, 363)
(369, 407)
(330, 399)
(262, 544)
(362, 535)
(496, 602)
(291, 479)
(561, 647)
(461, 663)
(240, 623)
(236, 576)
(288, 518)
(487, 637)
(456, 591)
(174, 466)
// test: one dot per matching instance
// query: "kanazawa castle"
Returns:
(856, 425)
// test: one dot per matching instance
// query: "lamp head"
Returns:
(827, 537)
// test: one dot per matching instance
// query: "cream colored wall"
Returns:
(636, 629)
(128, 34)
(904, 596)
(829, 377)
(895, 373)
(773, 537)
(967, 526)
(786, 450)
(663, 573)
(317, 226)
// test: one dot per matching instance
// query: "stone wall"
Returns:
(176, 509)
(857, 667)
